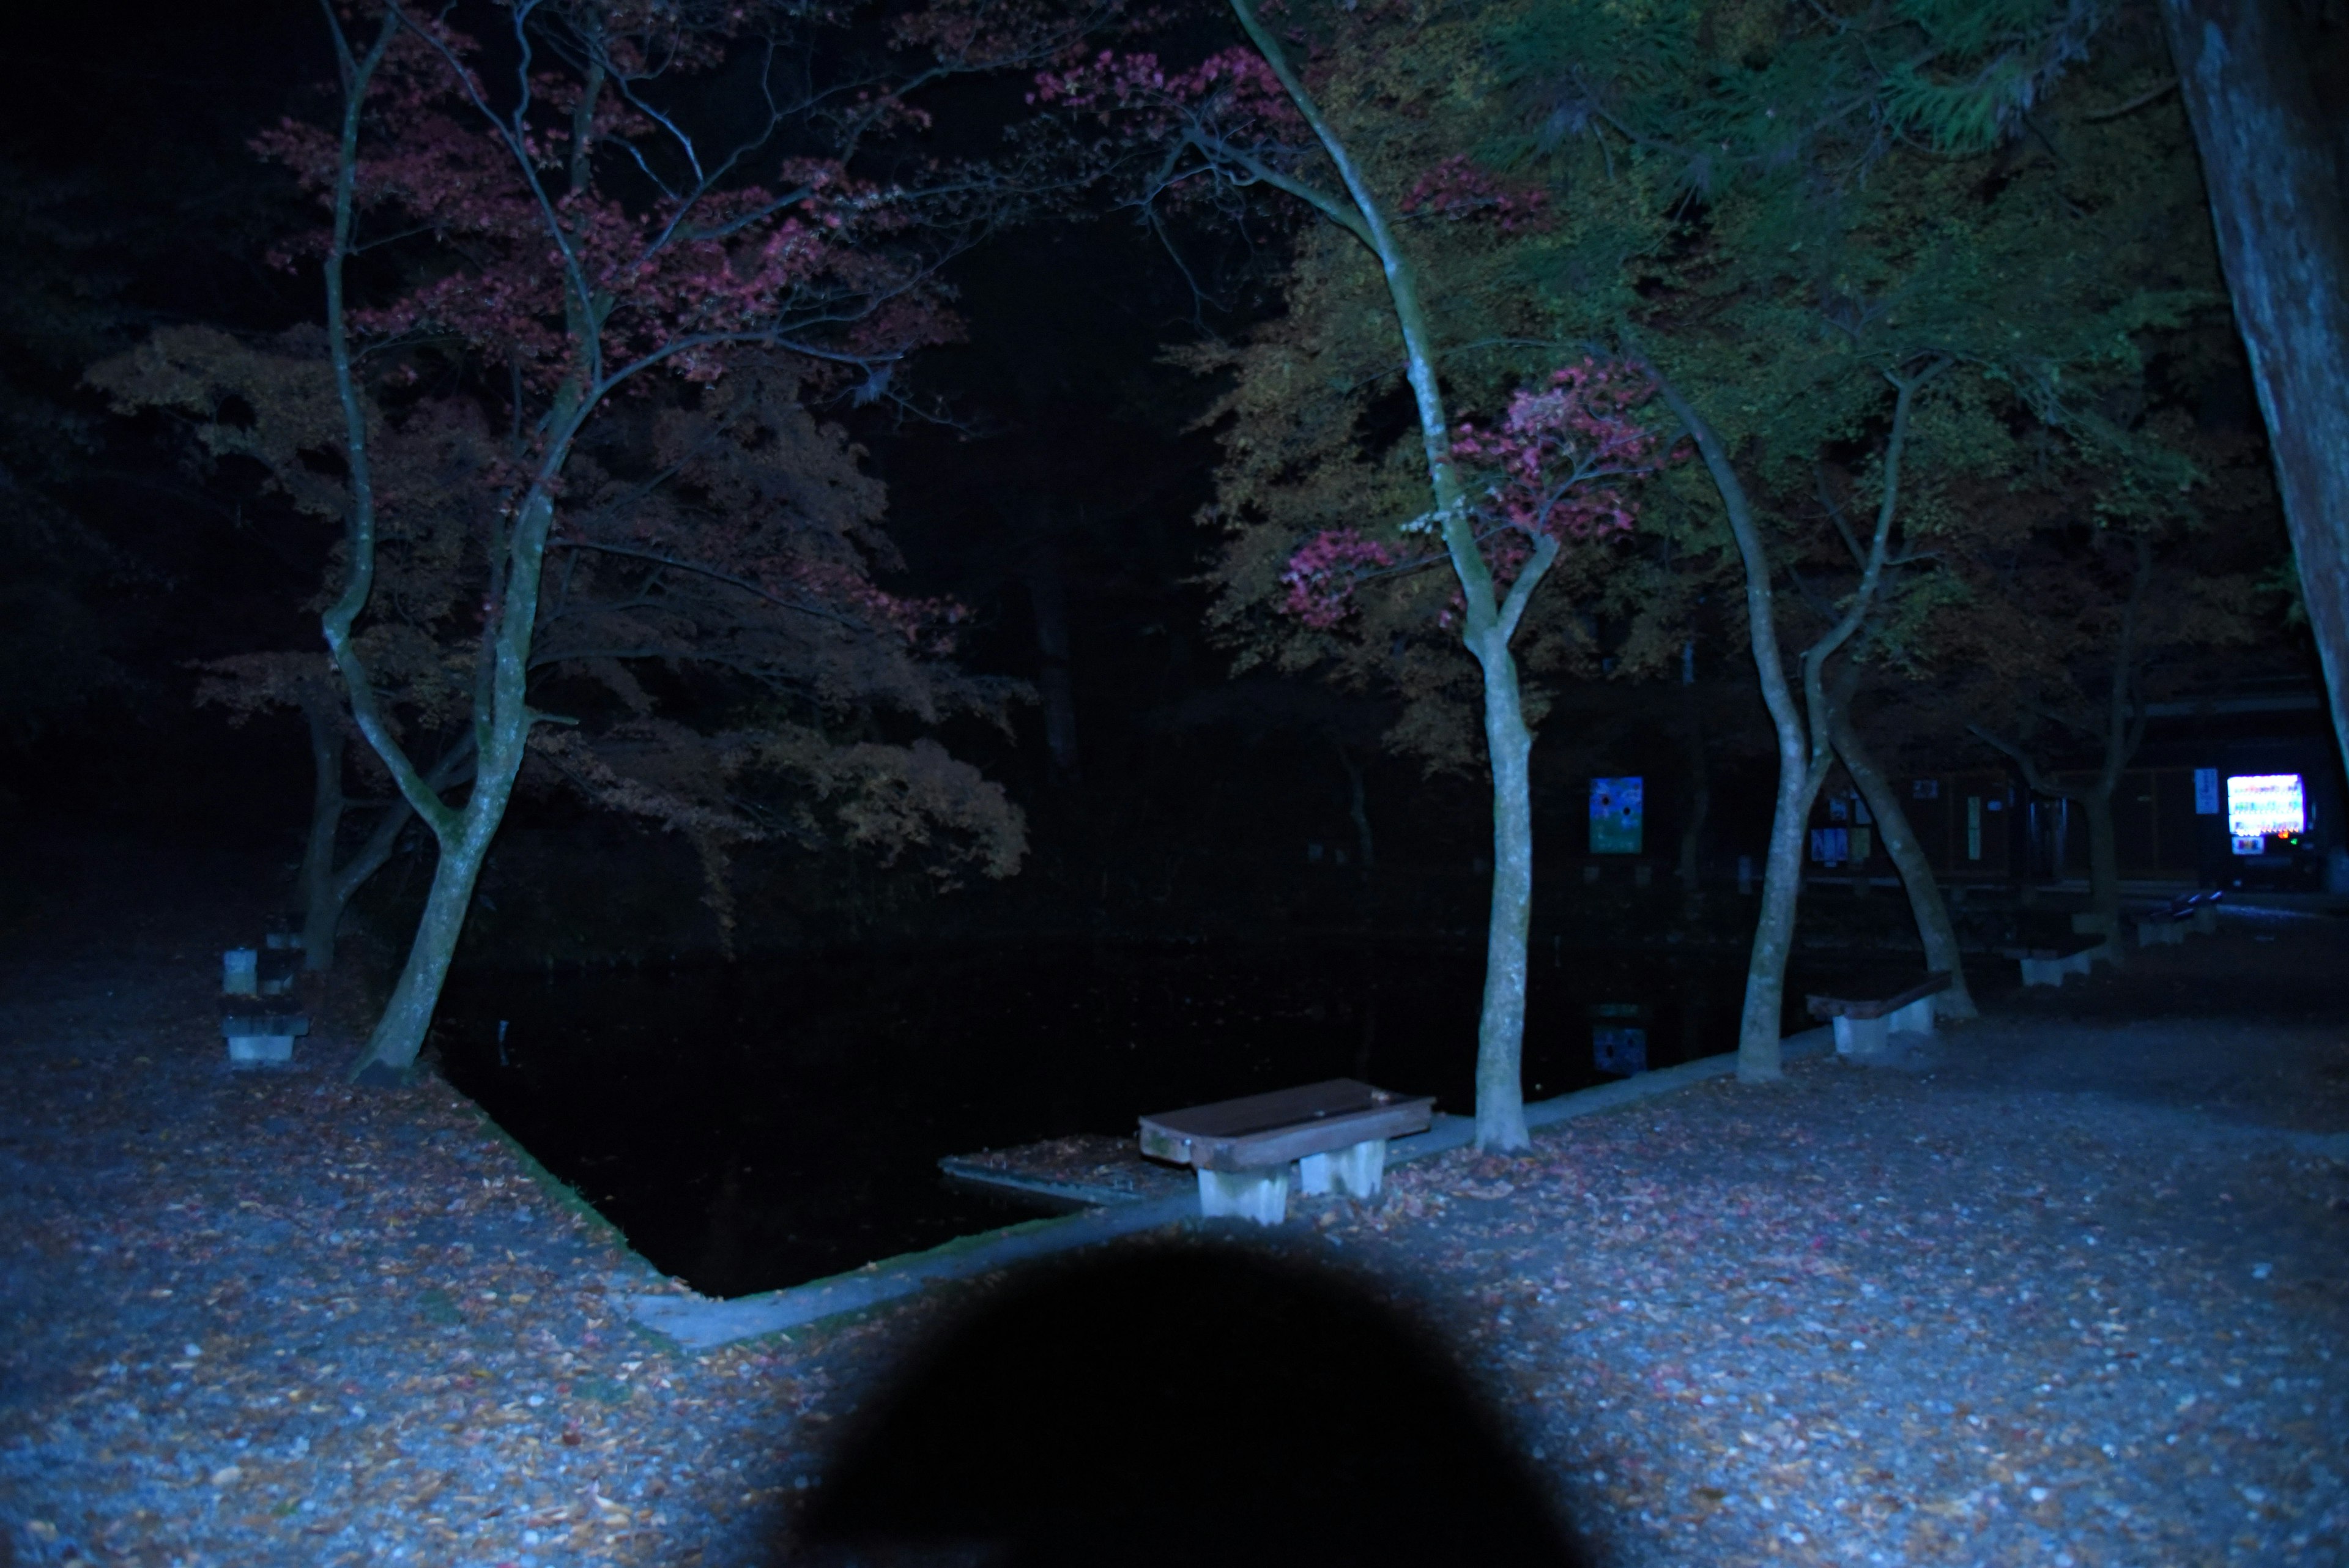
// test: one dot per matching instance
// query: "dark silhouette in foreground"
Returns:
(1181, 1406)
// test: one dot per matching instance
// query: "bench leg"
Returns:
(2042, 971)
(1860, 1036)
(1355, 1170)
(257, 1048)
(1917, 1018)
(2206, 920)
(1259, 1195)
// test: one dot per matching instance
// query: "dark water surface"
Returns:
(758, 1126)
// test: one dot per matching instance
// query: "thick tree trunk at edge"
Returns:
(2277, 198)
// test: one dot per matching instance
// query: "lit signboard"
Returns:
(1615, 816)
(2261, 807)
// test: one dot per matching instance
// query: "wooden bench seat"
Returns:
(1335, 1132)
(1864, 1025)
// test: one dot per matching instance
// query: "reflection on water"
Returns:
(755, 1127)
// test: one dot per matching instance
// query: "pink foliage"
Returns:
(677, 279)
(1557, 448)
(1232, 95)
(1553, 467)
(1322, 574)
(1456, 188)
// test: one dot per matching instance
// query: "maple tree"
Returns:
(531, 246)
(2073, 625)
(1860, 287)
(725, 533)
(1497, 504)
(1847, 274)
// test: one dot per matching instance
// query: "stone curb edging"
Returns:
(697, 1323)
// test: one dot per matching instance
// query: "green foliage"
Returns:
(1780, 206)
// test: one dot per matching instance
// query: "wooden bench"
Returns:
(261, 1029)
(1335, 1132)
(2049, 962)
(1864, 1025)
(2167, 923)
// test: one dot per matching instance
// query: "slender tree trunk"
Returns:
(1048, 602)
(501, 730)
(1487, 625)
(1933, 927)
(322, 912)
(2279, 198)
(2123, 733)
(1805, 749)
(1500, 1034)
(322, 919)
(1358, 810)
(1762, 1019)
(2104, 863)
(320, 908)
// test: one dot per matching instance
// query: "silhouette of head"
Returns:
(1181, 1404)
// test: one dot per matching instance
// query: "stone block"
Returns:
(1355, 1170)
(259, 1050)
(1259, 1195)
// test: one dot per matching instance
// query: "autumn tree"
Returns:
(1867, 293)
(2071, 623)
(1852, 280)
(1493, 504)
(534, 226)
(719, 535)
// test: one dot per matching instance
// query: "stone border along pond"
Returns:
(2072, 1294)
(697, 1323)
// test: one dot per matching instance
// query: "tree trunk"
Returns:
(321, 910)
(1048, 602)
(502, 727)
(1805, 749)
(324, 898)
(1358, 810)
(1934, 928)
(400, 1033)
(1501, 1030)
(2280, 200)
(1488, 626)
(1762, 1021)
(2123, 733)
(2104, 863)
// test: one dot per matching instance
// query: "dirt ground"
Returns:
(2069, 1288)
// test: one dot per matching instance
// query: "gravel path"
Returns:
(2070, 1292)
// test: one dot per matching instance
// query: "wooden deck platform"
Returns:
(1086, 1171)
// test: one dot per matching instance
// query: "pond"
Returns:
(759, 1125)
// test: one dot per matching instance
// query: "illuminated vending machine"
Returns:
(2267, 821)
